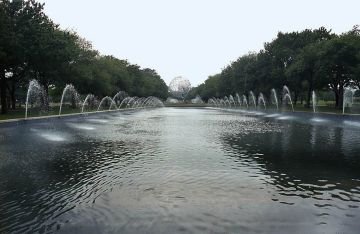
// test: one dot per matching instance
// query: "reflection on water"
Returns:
(180, 170)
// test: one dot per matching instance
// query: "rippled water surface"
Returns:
(180, 171)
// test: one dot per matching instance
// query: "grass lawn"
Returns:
(20, 112)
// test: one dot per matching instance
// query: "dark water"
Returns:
(180, 171)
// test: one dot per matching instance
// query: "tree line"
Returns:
(32, 46)
(308, 60)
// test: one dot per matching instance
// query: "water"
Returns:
(314, 101)
(72, 95)
(226, 100)
(261, 100)
(172, 170)
(118, 98)
(252, 99)
(89, 100)
(107, 100)
(238, 99)
(287, 97)
(274, 99)
(348, 98)
(245, 101)
(124, 101)
(232, 100)
(35, 95)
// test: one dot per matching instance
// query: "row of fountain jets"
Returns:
(260, 103)
(36, 93)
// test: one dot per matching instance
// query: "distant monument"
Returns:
(179, 87)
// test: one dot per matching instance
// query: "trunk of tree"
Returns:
(8, 103)
(296, 94)
(12, 100)
(336, 98)
(339, 96)
(3, 92)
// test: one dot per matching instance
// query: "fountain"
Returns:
(245, 102)
(125, 101)
(314, 101)
(261, 99)
(89, 98)
(139, 102)
(35, 93)
(238, 99)
(73, 94)
(211, 102)
(118, 97)
(131, 101)
(274, 99)
(107, 98)
(218, 100)
(151, 101)
(222, 103)
(197, 100)
(156, 102)
(348, 98)
(252, 99)
(232, 100)
(287, 96)
(226, 100)
(142, 102)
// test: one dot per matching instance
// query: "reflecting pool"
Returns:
(180, 170)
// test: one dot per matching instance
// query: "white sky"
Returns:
(194, 38)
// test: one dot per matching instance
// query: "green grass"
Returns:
(33, 112)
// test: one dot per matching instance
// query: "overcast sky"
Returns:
(194, 38)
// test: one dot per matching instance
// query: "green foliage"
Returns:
(32, 46)
(305, 61)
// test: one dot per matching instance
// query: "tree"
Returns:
(338, 62)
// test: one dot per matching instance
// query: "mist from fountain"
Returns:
(252, 98)
(74, 95)
(231, 99)
(222, 102)
(131, 101)
(87, 100)
(314, 101)
(226, 100)
(143, 102)
(287, 96)
(274, 99)
(138, 102)
(124, 102)
(107, 98)
(261, 100)
(348, 98)
(238, 99)
(245, 102)
(212, 102)
(35, 93)
(119, 96)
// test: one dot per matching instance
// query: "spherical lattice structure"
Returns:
(179, 87)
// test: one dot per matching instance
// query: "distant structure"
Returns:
(179, 87)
